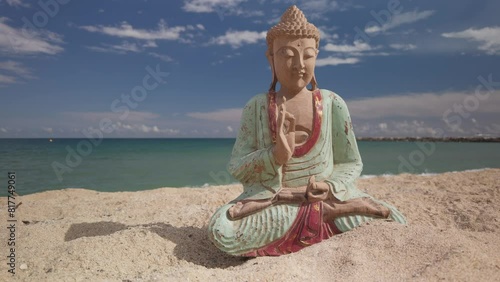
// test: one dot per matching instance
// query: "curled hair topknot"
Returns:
(293, 23)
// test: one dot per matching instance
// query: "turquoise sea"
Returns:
(140, 164)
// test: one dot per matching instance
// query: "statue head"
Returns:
(292, 47)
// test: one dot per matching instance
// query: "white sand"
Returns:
(160, 235)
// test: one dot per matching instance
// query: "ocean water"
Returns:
(141, 164)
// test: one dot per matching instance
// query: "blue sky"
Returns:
(186, 68)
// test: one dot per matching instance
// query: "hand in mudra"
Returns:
(285, 139)
(316, 191)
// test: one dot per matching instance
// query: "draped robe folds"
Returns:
(334, 159)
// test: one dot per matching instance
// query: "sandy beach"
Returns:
(160, 235)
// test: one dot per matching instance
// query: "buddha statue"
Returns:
(296, 156)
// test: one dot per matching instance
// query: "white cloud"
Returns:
(350, 54)
(125, 30)
(230, 128)
(17, 3)
(316, 9)
(128, 47)
(48, 129)
(358, 46)
(462, 113)
(402, 128)
(245, 13)
(15, 67)
(358, 49)
(405, 47)
(419, 114)
(334, 61)
(400, 19)
(224, 115)
(96, 117)
(21, 41)
(419, 105)
(237, 39)
(164, 58)
(274, 21)
(221, 7)
(313, 7)
(136, 129)
(136, 124)
(227, 57)
(488, 37)
(326, 35)
(153, 129)
(150, 44)
(102, 49)
(3, 130)
(123, 48)
(209, 6)
(14, 70)
(5, 79)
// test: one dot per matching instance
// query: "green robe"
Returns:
(334, 159)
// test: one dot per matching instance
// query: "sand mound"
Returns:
(160, 235)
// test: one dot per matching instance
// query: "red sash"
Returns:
(307, 229)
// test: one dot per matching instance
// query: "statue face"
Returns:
(294, 61)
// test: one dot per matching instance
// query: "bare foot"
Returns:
(235, 210)
(358, 206)
(374, 208)
(241, 210)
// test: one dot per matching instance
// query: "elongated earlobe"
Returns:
(314, 84)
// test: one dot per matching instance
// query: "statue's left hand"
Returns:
(316, 191)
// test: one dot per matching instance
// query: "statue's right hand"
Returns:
(285, 139)
(316, 191)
